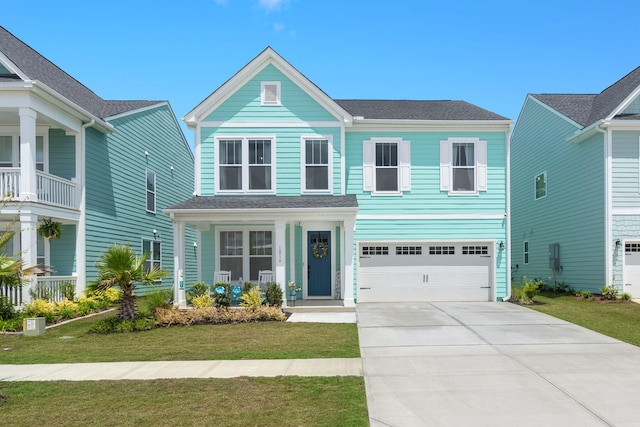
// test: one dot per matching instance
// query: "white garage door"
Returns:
(424, 272)
(632, 269)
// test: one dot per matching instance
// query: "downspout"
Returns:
(508, 214)
(81, 232)
(608, 200)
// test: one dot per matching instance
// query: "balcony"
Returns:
(51, 189)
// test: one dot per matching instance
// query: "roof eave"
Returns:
(357, 121)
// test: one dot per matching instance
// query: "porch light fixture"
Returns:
(501, 246)
(146, 153)
(195, 244)
(618, 243)
(156, 234)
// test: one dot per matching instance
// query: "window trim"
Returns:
(246, 247)
(369, 165)
(447, 168)
(15, 148)
(151, 261)
(263, 92)
(245, 163)
(154, 191)
(535, 187)
(525, 252)
(304, 165)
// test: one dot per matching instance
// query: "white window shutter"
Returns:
(481, 164)
(368, 159)
(445, 165)
(405, 165)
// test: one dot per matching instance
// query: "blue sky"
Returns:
(489, 53)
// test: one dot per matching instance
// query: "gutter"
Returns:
(508, 215)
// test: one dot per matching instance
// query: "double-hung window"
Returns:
(245, 165)
(525, 251)
(151, 191)
(463, 166)
(154, 249)
(316, 172)
(386, 166)
(245, 252)
(541, 185)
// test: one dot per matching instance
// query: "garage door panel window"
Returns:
(375, 250)
(442, 250)
(408, 250)
(475, 250)
(632, 247)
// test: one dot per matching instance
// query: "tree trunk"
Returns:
(128, 304)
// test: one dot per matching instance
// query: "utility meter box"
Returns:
(554, 256)
(33, 326)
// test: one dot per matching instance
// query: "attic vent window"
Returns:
(270, 93)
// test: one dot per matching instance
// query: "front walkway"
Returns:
(492, 364)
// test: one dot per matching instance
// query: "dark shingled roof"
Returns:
(416, 110)
(266, 202)
(37, 67)
(587, 109)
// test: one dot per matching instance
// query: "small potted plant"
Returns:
(50, 229)
(294, 290)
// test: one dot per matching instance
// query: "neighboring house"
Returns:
(576, 188)
(104, 169)
(350, 199)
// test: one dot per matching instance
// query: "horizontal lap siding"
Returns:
(62, 154)
(626, 169)
(116, 184)
(573, 212)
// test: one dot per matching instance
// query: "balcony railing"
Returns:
(54, 288)
(51, 189)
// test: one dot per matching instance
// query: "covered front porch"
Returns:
(307, 241)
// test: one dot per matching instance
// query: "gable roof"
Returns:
(416, 110)
(32, 66)
(206, 203)
(586, 109)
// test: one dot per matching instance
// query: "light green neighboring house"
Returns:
(103, 169)
(352, 200)
(576, 188)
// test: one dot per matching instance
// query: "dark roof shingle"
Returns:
(266, 202)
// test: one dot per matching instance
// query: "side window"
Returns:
(317, 165)
(151, 191)
(526, 252)
(386, 166)
(463, 166)
(541, 185)
(153, 247)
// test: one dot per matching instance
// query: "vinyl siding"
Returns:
(425, 196)
(573, 212)
(244, 104)
(634, 108)
(288, 155)
(63, 251)
(116, 185)
(626, 169)
(62, 154)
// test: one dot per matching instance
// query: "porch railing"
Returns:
(54, 288)
(12, 293)
(51, 189)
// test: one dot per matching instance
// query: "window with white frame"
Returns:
(526, 252)
(541, 185)
(245, 165)
(10, 153)
(270, 93)
(463, 165)
(154, 249)
(386, 166)
(6, 151)
(317, 164)
(151, 191)
(245, 252)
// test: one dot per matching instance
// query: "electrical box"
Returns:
(554, 256)
(33, 326)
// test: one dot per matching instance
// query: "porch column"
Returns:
(179, 292)
(28, 184)
(29, 249)
(81, 242)
(281, 259)
(347, 272)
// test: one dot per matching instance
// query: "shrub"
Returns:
(160, 299)
(115, 325)
(202, 301)
(274, 294)
(609, 292)
(40, 308)
(524, 294)
(222, 294)
(68, 290)
(252, 300)
(626, 296)
(66, 308)
(112, 295)
(196, 290)
(584, 294)
(212, 316)
(247, 286)
(11, 325)
(7, 311)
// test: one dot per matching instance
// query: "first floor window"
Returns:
(526, 252)
(153, 247)
(151, 191)
(541, 185)
(245, 252)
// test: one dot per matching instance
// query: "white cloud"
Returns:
(270, 5)
(277, 27)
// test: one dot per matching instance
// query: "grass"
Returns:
(283, 401)
(617, 319)
(71, 343)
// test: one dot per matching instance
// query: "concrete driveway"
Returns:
(492, 364)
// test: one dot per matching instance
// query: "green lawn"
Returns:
(71, 343)
(283, 401)
(617, 319)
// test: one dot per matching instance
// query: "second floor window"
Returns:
(151, 191)
(316, 165)
(245, 165)
(386, 167)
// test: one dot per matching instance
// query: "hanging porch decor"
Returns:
(320, 250)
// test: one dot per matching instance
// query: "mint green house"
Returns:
(352, 200)
(103, 169)
(576, 188)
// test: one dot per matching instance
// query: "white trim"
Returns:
(197, 164)
(246, 256)
(245, 163)
(303, 163)
(343, 161)
(216, 124)
(429, 216)
(263, 94)
(479, 168)
(535, 188)
(403, 166)
(625, 211)
(608, 149)
(624, 104)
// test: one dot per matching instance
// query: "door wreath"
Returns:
(320, 250)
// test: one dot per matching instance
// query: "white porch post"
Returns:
(28, 184)
(29, 248)
(347, 272)
(179, 292)
(281, 259)
(81, 243)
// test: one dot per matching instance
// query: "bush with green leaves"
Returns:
(584, 294)
(197, 289)
(524, 294)
(40, 308)
(201, 301)
(217, 316)
(252, 300)
(159, 298)
(7, 311)
(66, 308)
(609, 292)
(274, 294)
(222, 294)
(626, 296)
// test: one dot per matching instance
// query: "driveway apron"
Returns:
(492, 364)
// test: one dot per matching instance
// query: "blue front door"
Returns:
(319, 263)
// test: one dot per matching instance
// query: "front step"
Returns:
(319, 309)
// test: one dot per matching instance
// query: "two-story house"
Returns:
(353, 200)
(576, 188)
(103, 169)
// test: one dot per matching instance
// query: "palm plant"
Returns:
(120, 266)
(10, 267)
